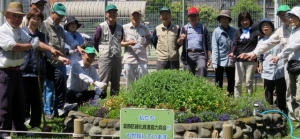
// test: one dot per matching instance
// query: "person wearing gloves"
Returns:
(292, 51)
(135, 40)
(222, 39)
(83, 75)
(272, 73)
(164, 39)
(196, 43)
(13, 42)
(71, 25)
(280, 36)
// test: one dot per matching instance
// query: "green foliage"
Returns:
(208, 15)
(89, 109)
(250, 6)
(177, 90)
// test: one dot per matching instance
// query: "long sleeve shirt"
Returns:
(292, 50)
(81, 77)
(280, 36)
(270, 70)
(221, 46)
(9, 37)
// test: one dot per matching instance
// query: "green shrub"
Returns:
(177, 90)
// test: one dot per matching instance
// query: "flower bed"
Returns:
(194, 102)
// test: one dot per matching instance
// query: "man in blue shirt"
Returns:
(196, 45)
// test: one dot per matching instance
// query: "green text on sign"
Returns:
(146, 124)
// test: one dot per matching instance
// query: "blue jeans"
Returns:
(49, 96)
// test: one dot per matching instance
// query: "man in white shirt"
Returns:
(13, 42)
(83, 75)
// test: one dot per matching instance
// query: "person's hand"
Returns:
(80, 50)
(35, 42)
(274, 59)
(64, 60)
(96, 97)
(55, 52)
(259, 69)
(131, 42)
(251, 56)
(243, 56)
(208, 62)
(230, 55)
(182, 37)
(101, 85)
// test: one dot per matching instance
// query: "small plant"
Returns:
(177, 90)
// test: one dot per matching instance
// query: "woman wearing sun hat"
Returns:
(222, 39)
(71, 25)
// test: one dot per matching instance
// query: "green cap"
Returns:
(90, 50)
(110, 7)
(283, 8)
(165, 9)
(59, 9)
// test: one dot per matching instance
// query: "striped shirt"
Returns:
(9, 37)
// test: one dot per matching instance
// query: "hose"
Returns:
(288, 120)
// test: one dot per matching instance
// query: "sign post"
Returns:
(146, 124)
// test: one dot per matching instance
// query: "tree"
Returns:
(250, 6)
(208, 15)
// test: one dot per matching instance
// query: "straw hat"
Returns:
(14, 7)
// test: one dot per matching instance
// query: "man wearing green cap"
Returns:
(280, 36)
(107, 40)
(164, 39)
(57, 37)
(82, 75)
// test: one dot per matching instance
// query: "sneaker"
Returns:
(8, 137)
(297, 126)
(49, 116)
(66, 108)
(27, 121)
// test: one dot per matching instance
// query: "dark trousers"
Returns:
(279, 86)
(80, 97)
(230, 78)
(196, 60)
(58, 79)
(12, 101)
(167, 65)
(33, 100)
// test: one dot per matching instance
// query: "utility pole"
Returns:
(183, 12)
(105, 4)
(264, 8)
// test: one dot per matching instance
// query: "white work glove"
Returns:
(96, 97)
(101, 85)
(35, 42)
(137, 46)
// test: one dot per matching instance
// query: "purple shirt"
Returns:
(97, 34)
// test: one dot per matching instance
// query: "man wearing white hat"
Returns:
(13, 41)
(135, 40)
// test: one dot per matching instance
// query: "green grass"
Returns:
(57, 123)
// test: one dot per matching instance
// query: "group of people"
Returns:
(38, 55)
